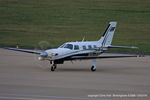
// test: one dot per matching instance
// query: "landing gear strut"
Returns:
(53, 67)
(93, 68)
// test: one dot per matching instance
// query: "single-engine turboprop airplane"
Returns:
(79, 50)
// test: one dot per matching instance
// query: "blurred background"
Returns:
(27, 22)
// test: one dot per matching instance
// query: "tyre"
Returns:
(93, 69)
(53, 68)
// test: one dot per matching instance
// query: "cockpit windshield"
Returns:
(62, 46)
(68, 46)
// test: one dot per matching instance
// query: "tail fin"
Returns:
(107, 37)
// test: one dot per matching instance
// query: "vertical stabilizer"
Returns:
(107, 37)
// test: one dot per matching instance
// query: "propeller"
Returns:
(42, 46)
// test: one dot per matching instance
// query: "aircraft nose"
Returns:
(53, 54)
(43, 54)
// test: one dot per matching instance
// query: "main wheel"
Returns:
(93, 68)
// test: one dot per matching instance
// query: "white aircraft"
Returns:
(79, 50)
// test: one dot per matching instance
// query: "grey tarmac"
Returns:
(23, 77)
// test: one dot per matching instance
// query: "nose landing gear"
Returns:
(53, 67)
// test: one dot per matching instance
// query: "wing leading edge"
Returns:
(23, 50)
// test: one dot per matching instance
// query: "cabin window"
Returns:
(69, 46)
(76, 47)
(84, 47)
(95, 46)
(89, 46)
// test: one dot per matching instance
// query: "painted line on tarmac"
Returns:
(21, 98)
(43, 97)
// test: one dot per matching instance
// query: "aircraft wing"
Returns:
(98, 57)
(128, 47)
(23, 50)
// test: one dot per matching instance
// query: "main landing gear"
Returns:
(54, 66)
(93, 68)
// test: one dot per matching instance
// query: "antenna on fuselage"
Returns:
(83, 39)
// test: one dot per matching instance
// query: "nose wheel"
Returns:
(53, 67)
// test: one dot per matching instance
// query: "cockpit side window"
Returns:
(95, 46)
(69, 46)
(76, 47)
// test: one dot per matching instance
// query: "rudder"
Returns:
(107, 37)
